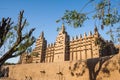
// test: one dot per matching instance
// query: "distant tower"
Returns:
(96, 33)
(96, 48)
(62, 46)
(40, 48)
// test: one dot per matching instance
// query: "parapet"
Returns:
(51, 45)
(85, 36)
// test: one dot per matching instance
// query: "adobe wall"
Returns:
(64, 49)
(49, 53)
(75, 70)
(84, 48)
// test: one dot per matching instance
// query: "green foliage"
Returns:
(7, 63)
(102, 4)
(58, 28)
(104, 14)
(15, 28)
(35, 54)
(108, 19)
(25, 45)
(73, 18)
(9, 34)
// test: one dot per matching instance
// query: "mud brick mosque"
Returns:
(63, 49)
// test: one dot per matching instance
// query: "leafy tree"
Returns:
(14, 35)
(104, 13)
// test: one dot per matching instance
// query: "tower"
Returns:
(62, 46)
(40, 48)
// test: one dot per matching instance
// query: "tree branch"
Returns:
(5, 28)
(19, 30)
(29, 34)
(23, 23)
(19, 53)
(26, 45)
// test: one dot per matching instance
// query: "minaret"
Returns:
(95, 46)
(42, 35)
(43, 46)
(96, 33)
(62, 46)
(62, 29)
(40, 48)
(95, 29)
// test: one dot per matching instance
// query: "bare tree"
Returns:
(21, 41)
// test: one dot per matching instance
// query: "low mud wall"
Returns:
(106, 68)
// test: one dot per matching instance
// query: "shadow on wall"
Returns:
(28, 78)
(96, 66)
